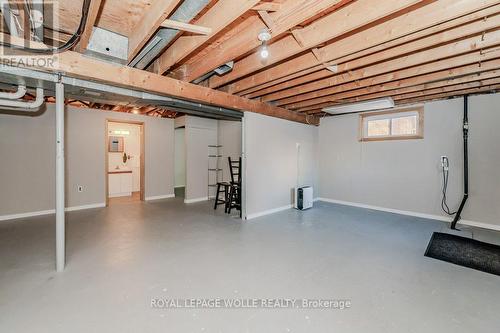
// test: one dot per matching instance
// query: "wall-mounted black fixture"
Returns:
(466, 163)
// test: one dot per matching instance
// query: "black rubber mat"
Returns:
(465, 252)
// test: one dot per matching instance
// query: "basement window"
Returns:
(392, 125)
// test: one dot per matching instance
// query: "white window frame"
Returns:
(391, 114)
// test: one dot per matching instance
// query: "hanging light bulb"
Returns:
(264, 36)
(264, 51)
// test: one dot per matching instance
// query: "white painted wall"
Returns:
(180, 157)
(406, 175)
(27, 175)
(200, 133)
(271, 161)
(229, 137)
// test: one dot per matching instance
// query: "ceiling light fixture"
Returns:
(375, 104)
(333, 68)
(264, 36)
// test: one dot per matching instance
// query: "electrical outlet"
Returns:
(80, 188)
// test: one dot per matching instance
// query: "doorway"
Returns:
(124, 169)
(180, 162)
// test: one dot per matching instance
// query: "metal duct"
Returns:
(24, 105)
(18, 94)
(185, 13)
(226, 68)
(9, 17)
(107, 94)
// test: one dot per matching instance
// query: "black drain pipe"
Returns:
(466, 163)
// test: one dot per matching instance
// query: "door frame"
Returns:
(142, 171)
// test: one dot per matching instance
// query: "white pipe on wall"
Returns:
(23, 104)
(60, 218)
(21, 91)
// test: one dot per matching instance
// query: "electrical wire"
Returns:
(66, 46)
(444, 204)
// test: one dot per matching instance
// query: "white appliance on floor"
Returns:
(303, 198)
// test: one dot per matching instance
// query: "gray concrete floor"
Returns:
(122, 256)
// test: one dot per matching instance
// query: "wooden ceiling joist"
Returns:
(155, 15)
(267, 6)
(425, 21)
(432, 95)
(351, 17)
(320, 88)
(389, 88)
(197, 29)
(475, 28)
(468, 81)
(457, 93)
(409, 76)
(450, 88)
(213, 19)
(291, 14)
(95, 6)
(321, 52)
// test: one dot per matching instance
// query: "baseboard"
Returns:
(160, 197)
(49, 212)
(268, 212)
(188, 201)
(415, 214)
(180, 186)
(25, 215)
(91, 206)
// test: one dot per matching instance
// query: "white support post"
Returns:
(60, 203)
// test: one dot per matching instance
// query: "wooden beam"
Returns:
(186, 27)
(321, 87)
(185, 45)
(432, 95)
(430, 19)
(470, 29)
(267, 19)
(449, 88)
(268, 6)
(292, 13)
(298, 36)
(380, 91)
(76, 65)
(150, 22)
(457, 93)
(336, 24)
(439, 70)
(93, 14)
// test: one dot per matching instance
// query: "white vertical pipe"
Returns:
(60, 219)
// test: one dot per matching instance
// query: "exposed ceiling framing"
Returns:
(322, 52)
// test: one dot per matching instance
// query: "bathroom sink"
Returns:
(120, 169)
